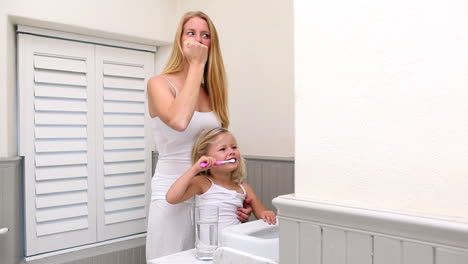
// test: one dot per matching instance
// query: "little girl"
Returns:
(221, 184)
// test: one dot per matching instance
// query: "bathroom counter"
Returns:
(222, 255)
(184, 257)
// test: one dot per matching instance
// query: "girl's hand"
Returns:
(269, 217)
(210, 162)
(195, 52)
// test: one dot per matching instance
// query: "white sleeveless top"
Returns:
(175, 149)
(227, 201)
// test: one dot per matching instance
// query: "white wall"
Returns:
(257, 44)
(381, 104)
(256, 39)
(143, 21)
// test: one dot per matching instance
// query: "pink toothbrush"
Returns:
(219, 162)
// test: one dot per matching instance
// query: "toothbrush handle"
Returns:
(204, 164)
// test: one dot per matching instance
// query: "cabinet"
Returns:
(84, 134)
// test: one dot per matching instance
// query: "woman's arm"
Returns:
(258, 209)
(177, 112)
(187, 185)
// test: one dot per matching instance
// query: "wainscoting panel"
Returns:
(315, 232)
(270, 177)
(310, 243)
(11, 213)
(417, 253)
(289, 242)
(333, 246)
(359, 248)
(130, 251)
(447, 256)
(387, 251)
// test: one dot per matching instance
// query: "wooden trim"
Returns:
(268, 158)
(445, 232)
(84, 38)
(109, 248)
(6, 162)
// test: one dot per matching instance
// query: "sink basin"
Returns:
(227, 255)
(255, 237)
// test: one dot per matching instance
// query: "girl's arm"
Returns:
(177, 112)
(187, 185)
(258, 209)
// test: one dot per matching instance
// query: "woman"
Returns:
(188, 97)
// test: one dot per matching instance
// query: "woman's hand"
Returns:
(195, 52)
(243, 213)
(269, 217)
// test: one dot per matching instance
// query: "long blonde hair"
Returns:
(200, 148)
(214, 76)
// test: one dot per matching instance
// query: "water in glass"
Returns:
(206, 219)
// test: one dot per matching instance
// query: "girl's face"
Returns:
(196, 29)
(224, 147)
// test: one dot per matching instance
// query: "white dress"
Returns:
(170, 227)
(227, 201)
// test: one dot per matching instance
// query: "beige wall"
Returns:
(381, 104)
(143, 21)
(257, 45)
(256, 39)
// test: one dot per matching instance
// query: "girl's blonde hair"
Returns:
(203, 142)
(214, 77)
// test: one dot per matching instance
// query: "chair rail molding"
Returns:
(323, 233)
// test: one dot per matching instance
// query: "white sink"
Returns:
(255, 237)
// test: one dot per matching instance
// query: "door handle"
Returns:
(3, 230)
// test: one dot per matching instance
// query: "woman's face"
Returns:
(196, 29)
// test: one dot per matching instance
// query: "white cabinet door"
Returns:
(123, 146)
(57, 138)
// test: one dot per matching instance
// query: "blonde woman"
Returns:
(189, 96)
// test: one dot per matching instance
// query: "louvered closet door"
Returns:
(57, 139)
(123, 154)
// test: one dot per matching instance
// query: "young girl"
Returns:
(215, 183)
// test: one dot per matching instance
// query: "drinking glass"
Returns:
(206, 231)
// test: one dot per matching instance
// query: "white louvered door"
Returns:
(56, 104)
(84, 134)
(123, 154)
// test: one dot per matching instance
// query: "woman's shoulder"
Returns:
(160, 83)
(166, 79)
(157, 79)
